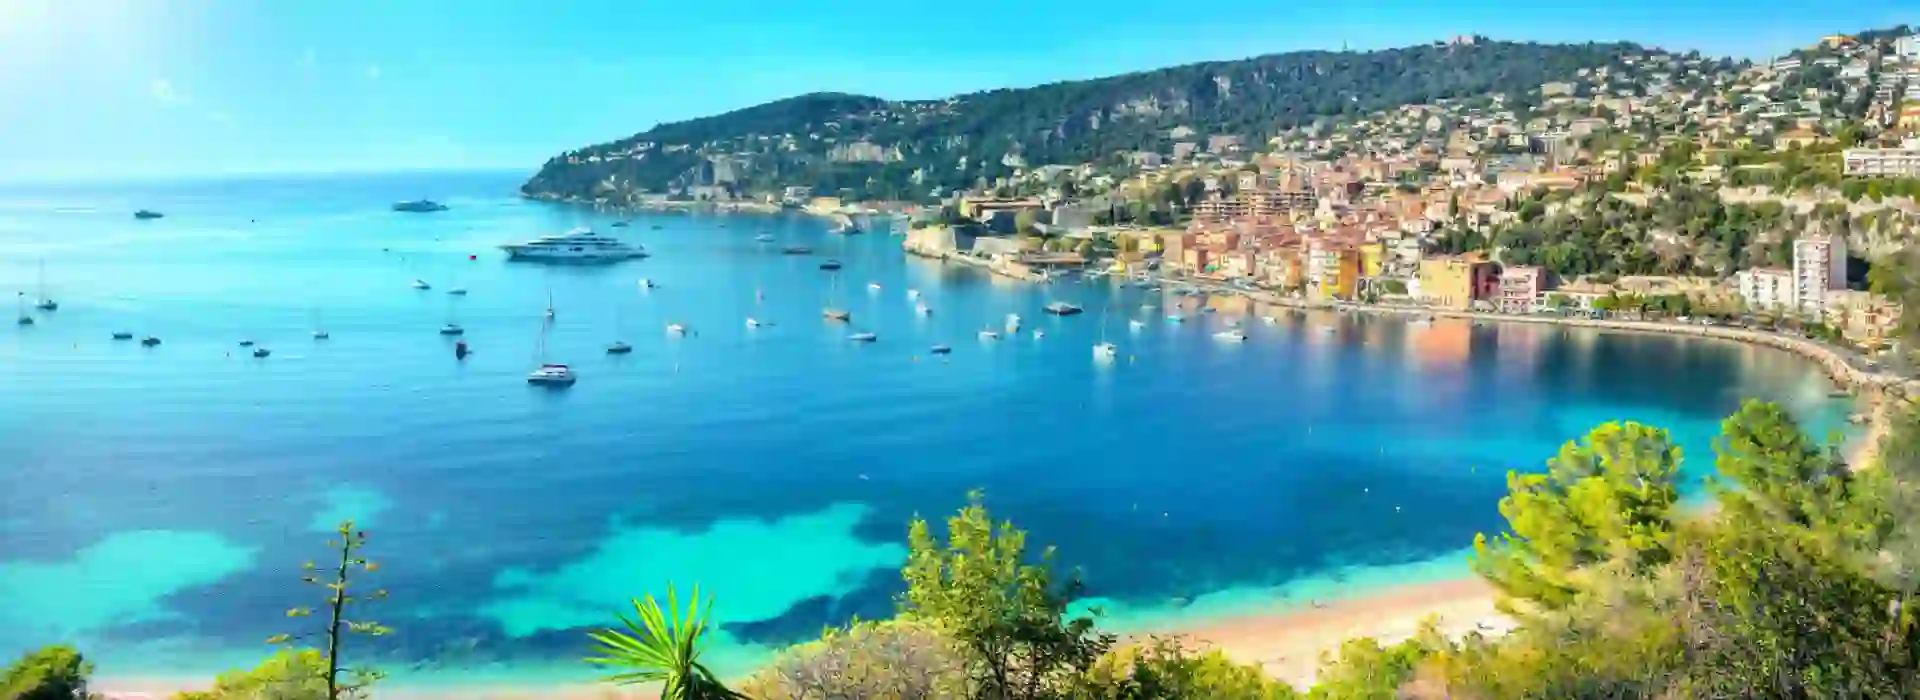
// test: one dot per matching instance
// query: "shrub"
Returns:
(1165, 669)
(292, 674)
(48, 673)
(889, 660)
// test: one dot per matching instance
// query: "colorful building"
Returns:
(1520, 288)
(1456, 282)
(1373, 259)
(1333, 270)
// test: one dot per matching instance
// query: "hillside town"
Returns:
(1460, 204)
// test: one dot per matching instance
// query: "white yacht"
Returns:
(753, 323)
(1105, 351)
(764, 238)
(989, 334)
(1232, 336)
(578, 245)
(1136, 323)
(452, 329)
(863, 337)
(676, 329)
(421, 284)
(552, 375)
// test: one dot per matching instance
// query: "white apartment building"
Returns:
(1819, 266)
(1882, 162)
(1766, 288)
(1908, 46)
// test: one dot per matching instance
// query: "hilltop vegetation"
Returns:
(874, 148)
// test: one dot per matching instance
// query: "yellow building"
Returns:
(1333, 271)
(1453, 282)
(1373, 259)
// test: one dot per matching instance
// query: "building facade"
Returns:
(1455, 282)
(1520, 289)
(1768, 289)
(1881, 162)
(1819, 266)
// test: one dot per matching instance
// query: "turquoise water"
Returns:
(159, 502)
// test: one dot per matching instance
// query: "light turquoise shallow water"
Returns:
(157, 503)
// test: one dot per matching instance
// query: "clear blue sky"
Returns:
(95, 89)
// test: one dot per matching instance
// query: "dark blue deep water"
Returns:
(157, 503)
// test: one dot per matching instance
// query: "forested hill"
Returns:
(879, 148)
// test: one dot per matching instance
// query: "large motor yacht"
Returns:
(578, 245)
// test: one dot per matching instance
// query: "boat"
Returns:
(796, 250)
(1137, 323)
(552, 375)
(676, 329)
(460, 350)
(863, 337)
(754, 323)
(24, 320)
(656, 227)
(261, 352)
(1105, 351)
(1233, 323)
(941, 349)
(989, 334)
(46, 303)
(619, 348)
(122, 335)
(458, 291)
(577, 245)
(830, 265)
(1233, 335)
(147, 214)
(1038, 334)
(149, 341)
(319, 331)
(922, 309)
(421, 285)
(836, 314)
(913, 294)
(1269, 320)
(246, 343)
(1013, 323)
(419, 206)
(647, 283)
(875, 286)
(764, 238)
(1061, 308)
(1176, 318)
(452, 329)
(619, 224)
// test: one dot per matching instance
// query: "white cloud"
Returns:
(163, 90)
(373, 72)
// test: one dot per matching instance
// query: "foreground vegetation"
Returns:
(1801, 584)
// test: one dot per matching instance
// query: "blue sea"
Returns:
(158, 502)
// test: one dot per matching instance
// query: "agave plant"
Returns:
(663, 647)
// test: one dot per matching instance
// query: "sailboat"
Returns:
(25, 320)
(1104, 350)
(549, 374)
(46, 303)
(832, 312)
(451, 328)
(618, 347)
(319, 332)
(549, 304)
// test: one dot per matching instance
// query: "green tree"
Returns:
(1011, 616)
(291, 674)
(340, 603)
(1604, 506)
(48, 673)
(891, 660)
(1772, 472)
(1166, 669)
(663, 647)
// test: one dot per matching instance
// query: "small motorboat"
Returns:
(1038, 334)
(1233, 323)
(619, 348)
(246, 343)
(764, 238)
(1149, 307)
(147, 214)
(421, 284)
(460, 350)
(753, 323)
(941, 350)
(656, 227)
(796, 250)
(619, 224)
(913, 294)
(1233, 336)
(1136, 323)
(1105, 351)
(452, 329)
(1176, 318)
(875, 286)
(149, 341)
(922, 309)
(1013, 323)
(24, 320)
(321, 335)
(647, 283)
(837, 314)
(549, 314)
(989, 334)
(1209, 310)
(122, 335)
(863, 337)
(1061, 308)
(47, 305)
(830, 265)
(458, 291)
(552, 375)
(261, 352)
(676, 329)
(1269, 320)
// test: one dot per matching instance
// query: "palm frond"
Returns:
(661, 644)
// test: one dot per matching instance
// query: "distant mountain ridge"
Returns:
(869, 147)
